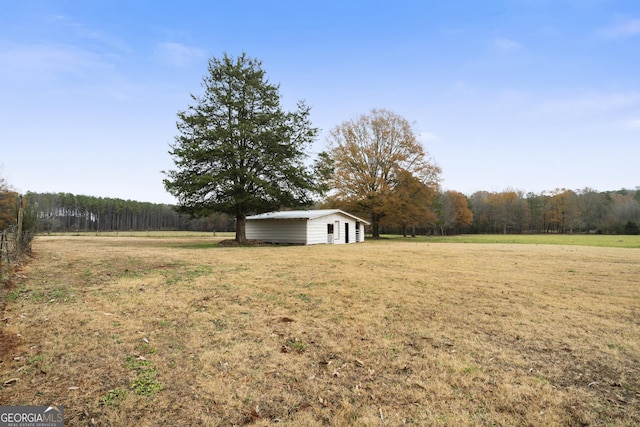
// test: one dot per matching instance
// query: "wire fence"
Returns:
(15, 241)
(12, 248)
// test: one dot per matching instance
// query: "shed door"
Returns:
(346, 232)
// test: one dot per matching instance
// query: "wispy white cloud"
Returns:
(591, 103)
(47, 61)
(63, 71)
(633, 124)
(505, 45)
(93, 38)
(625, 29)
(178, 54)
(72, 51)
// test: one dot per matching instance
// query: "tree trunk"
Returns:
(375, 226)
(241, 221)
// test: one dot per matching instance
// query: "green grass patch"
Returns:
(145, 383)
(113, 397)
(136, 363)
(175, 275)
(294, 345)
(13, 296)
(599, 240)
(62, 295)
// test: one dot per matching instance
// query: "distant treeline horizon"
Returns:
(58, 212)
(505, 212)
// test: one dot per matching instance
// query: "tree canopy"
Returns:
(381, 169)
(238, 151)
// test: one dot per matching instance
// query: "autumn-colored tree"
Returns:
(454, 213)
(463, 217)
(372, 158)
(413, 204)
(509, 210)
(563, 209)
(8, 207)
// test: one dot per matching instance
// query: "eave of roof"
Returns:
(305, 215)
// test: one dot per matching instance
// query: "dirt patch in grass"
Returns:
(150, 331)
(8, 347)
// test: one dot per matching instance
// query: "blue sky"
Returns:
(525, 94)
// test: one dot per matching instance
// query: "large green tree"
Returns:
(380, 166)
(238, 151)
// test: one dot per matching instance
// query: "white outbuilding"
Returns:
(312, 227)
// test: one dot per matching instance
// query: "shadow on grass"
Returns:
(194, 245)
(230, 243)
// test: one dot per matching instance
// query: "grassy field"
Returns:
(151, 330)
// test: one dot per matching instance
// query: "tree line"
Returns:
(557, 211)
(70, 212)
(449, 212)
(560, 211)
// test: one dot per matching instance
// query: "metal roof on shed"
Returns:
(311, 214)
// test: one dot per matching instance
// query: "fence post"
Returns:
(4, 241)
(20, 218)
(1, 246)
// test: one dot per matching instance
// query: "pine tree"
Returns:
(238, 152)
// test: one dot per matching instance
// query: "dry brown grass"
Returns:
(167, 331)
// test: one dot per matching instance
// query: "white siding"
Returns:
(277, 231)
(317, 229)
(361, 233)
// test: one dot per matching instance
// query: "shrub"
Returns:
(631, 228)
